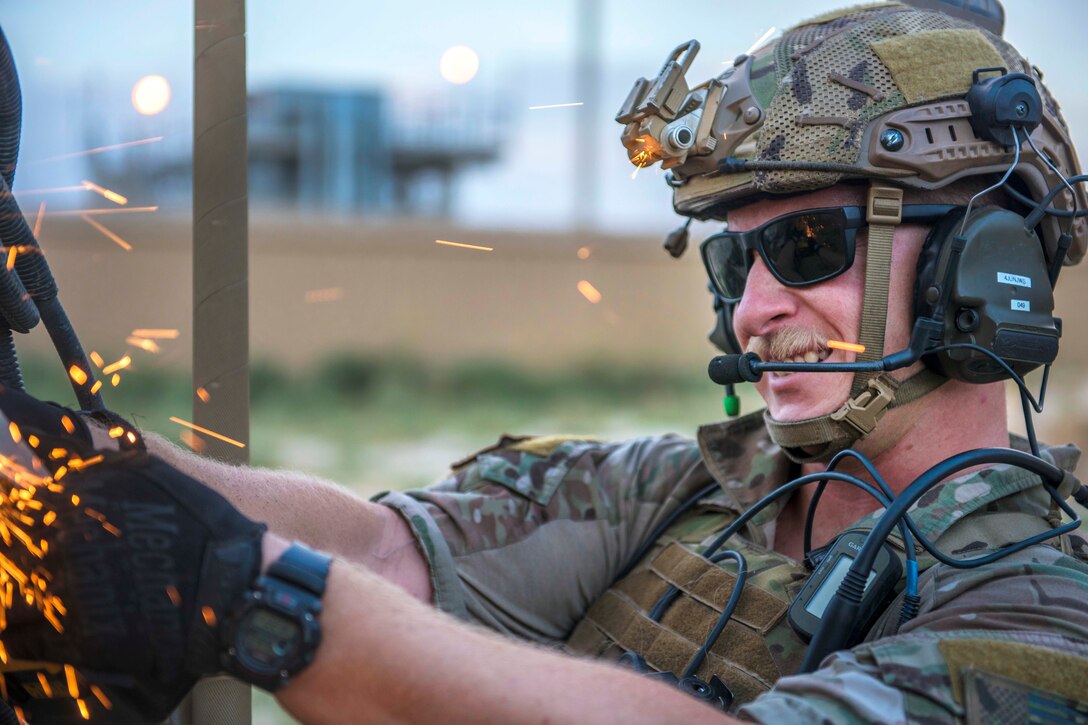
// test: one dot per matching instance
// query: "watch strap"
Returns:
(303, 567)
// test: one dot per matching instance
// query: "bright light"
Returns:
(459, 64)
(151, 95)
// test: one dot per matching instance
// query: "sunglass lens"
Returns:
(806, 248)
(727, 265)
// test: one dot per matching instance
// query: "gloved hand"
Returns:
(145, 561)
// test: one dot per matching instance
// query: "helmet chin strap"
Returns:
(871, 394)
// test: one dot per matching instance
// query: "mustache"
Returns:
(787, 342)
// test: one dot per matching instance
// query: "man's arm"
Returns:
(317, 512)
(386, 658)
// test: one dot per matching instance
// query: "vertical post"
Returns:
(220, 272)
(587, 75)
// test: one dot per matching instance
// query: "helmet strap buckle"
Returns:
(863, 411)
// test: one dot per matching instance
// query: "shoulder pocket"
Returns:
(535, 475)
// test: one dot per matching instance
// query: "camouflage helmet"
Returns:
(869, 92)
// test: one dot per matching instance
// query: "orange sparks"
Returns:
(205, 431)
(38, 220)
(464, 246)
(16, 434)
(111, 528)
(110, 195)
(848, 346)
(156, 333)
(583, 252)
(60, 473)
(589, 291)
(174, 594)
(113, 237)
(33, 441)
(49, 517)
(75, 500)
(115, 379)
(67, 422)
(83, 709)
(328, 294)
(96, 387)
(131, 437)
(46, 688)
(11, 258)
(203, 394)
(209, 615)
(117, 432)
(96, 358)
(3, 654)
(79, 376)
(100, 149)
(96, 212)
(70, 675)
(148, 345)
(97, 692)
(121, 364)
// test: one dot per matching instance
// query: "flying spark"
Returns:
(328, 294)
(97, 359)
(848, 346)
(110, 195)
(583, 252)
(11, 258)
(589, 291)
(79, 375)
(121, 364)
(556, 105)
(143, 344)
(205, 431)
(157, 333)
(203, 394)
(38, 220)
(466, 246)
(100, 149)
(97, 212)
(113, 237)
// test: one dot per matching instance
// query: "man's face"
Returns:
(789, 323)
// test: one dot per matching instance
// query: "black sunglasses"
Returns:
(802, 248)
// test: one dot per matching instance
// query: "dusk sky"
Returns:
(78, 60)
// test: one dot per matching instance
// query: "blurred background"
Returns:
(375, 131)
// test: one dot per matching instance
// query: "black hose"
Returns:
(10, 375)
(11, 112)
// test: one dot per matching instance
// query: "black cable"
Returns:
(664, 526)
(1040, 207)
(844, 605)
(727, 611)
(810, 516)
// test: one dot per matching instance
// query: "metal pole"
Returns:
(587, 77)
(220, 273)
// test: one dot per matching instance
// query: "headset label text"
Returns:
(1021, 305)
(1014, 279)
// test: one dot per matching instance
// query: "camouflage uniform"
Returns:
(527, 537)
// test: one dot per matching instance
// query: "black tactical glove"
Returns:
(145, 561)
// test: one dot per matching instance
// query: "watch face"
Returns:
(267, 641)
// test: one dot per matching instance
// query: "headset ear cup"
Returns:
(930, 269)
(721, 335)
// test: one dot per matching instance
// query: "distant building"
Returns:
(325, 150)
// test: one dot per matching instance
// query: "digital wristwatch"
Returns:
(274, 633)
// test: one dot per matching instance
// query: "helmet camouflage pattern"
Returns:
(869, 92)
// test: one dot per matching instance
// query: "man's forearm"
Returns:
(386, 658)
(317, 512)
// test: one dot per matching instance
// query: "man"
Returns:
(606, 548)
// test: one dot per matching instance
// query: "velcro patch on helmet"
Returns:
(936, 63)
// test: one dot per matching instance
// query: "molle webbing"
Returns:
(618, 622)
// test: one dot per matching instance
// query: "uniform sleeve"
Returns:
(523, 542)
(981, 631)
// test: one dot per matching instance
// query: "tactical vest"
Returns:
(758, 645)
